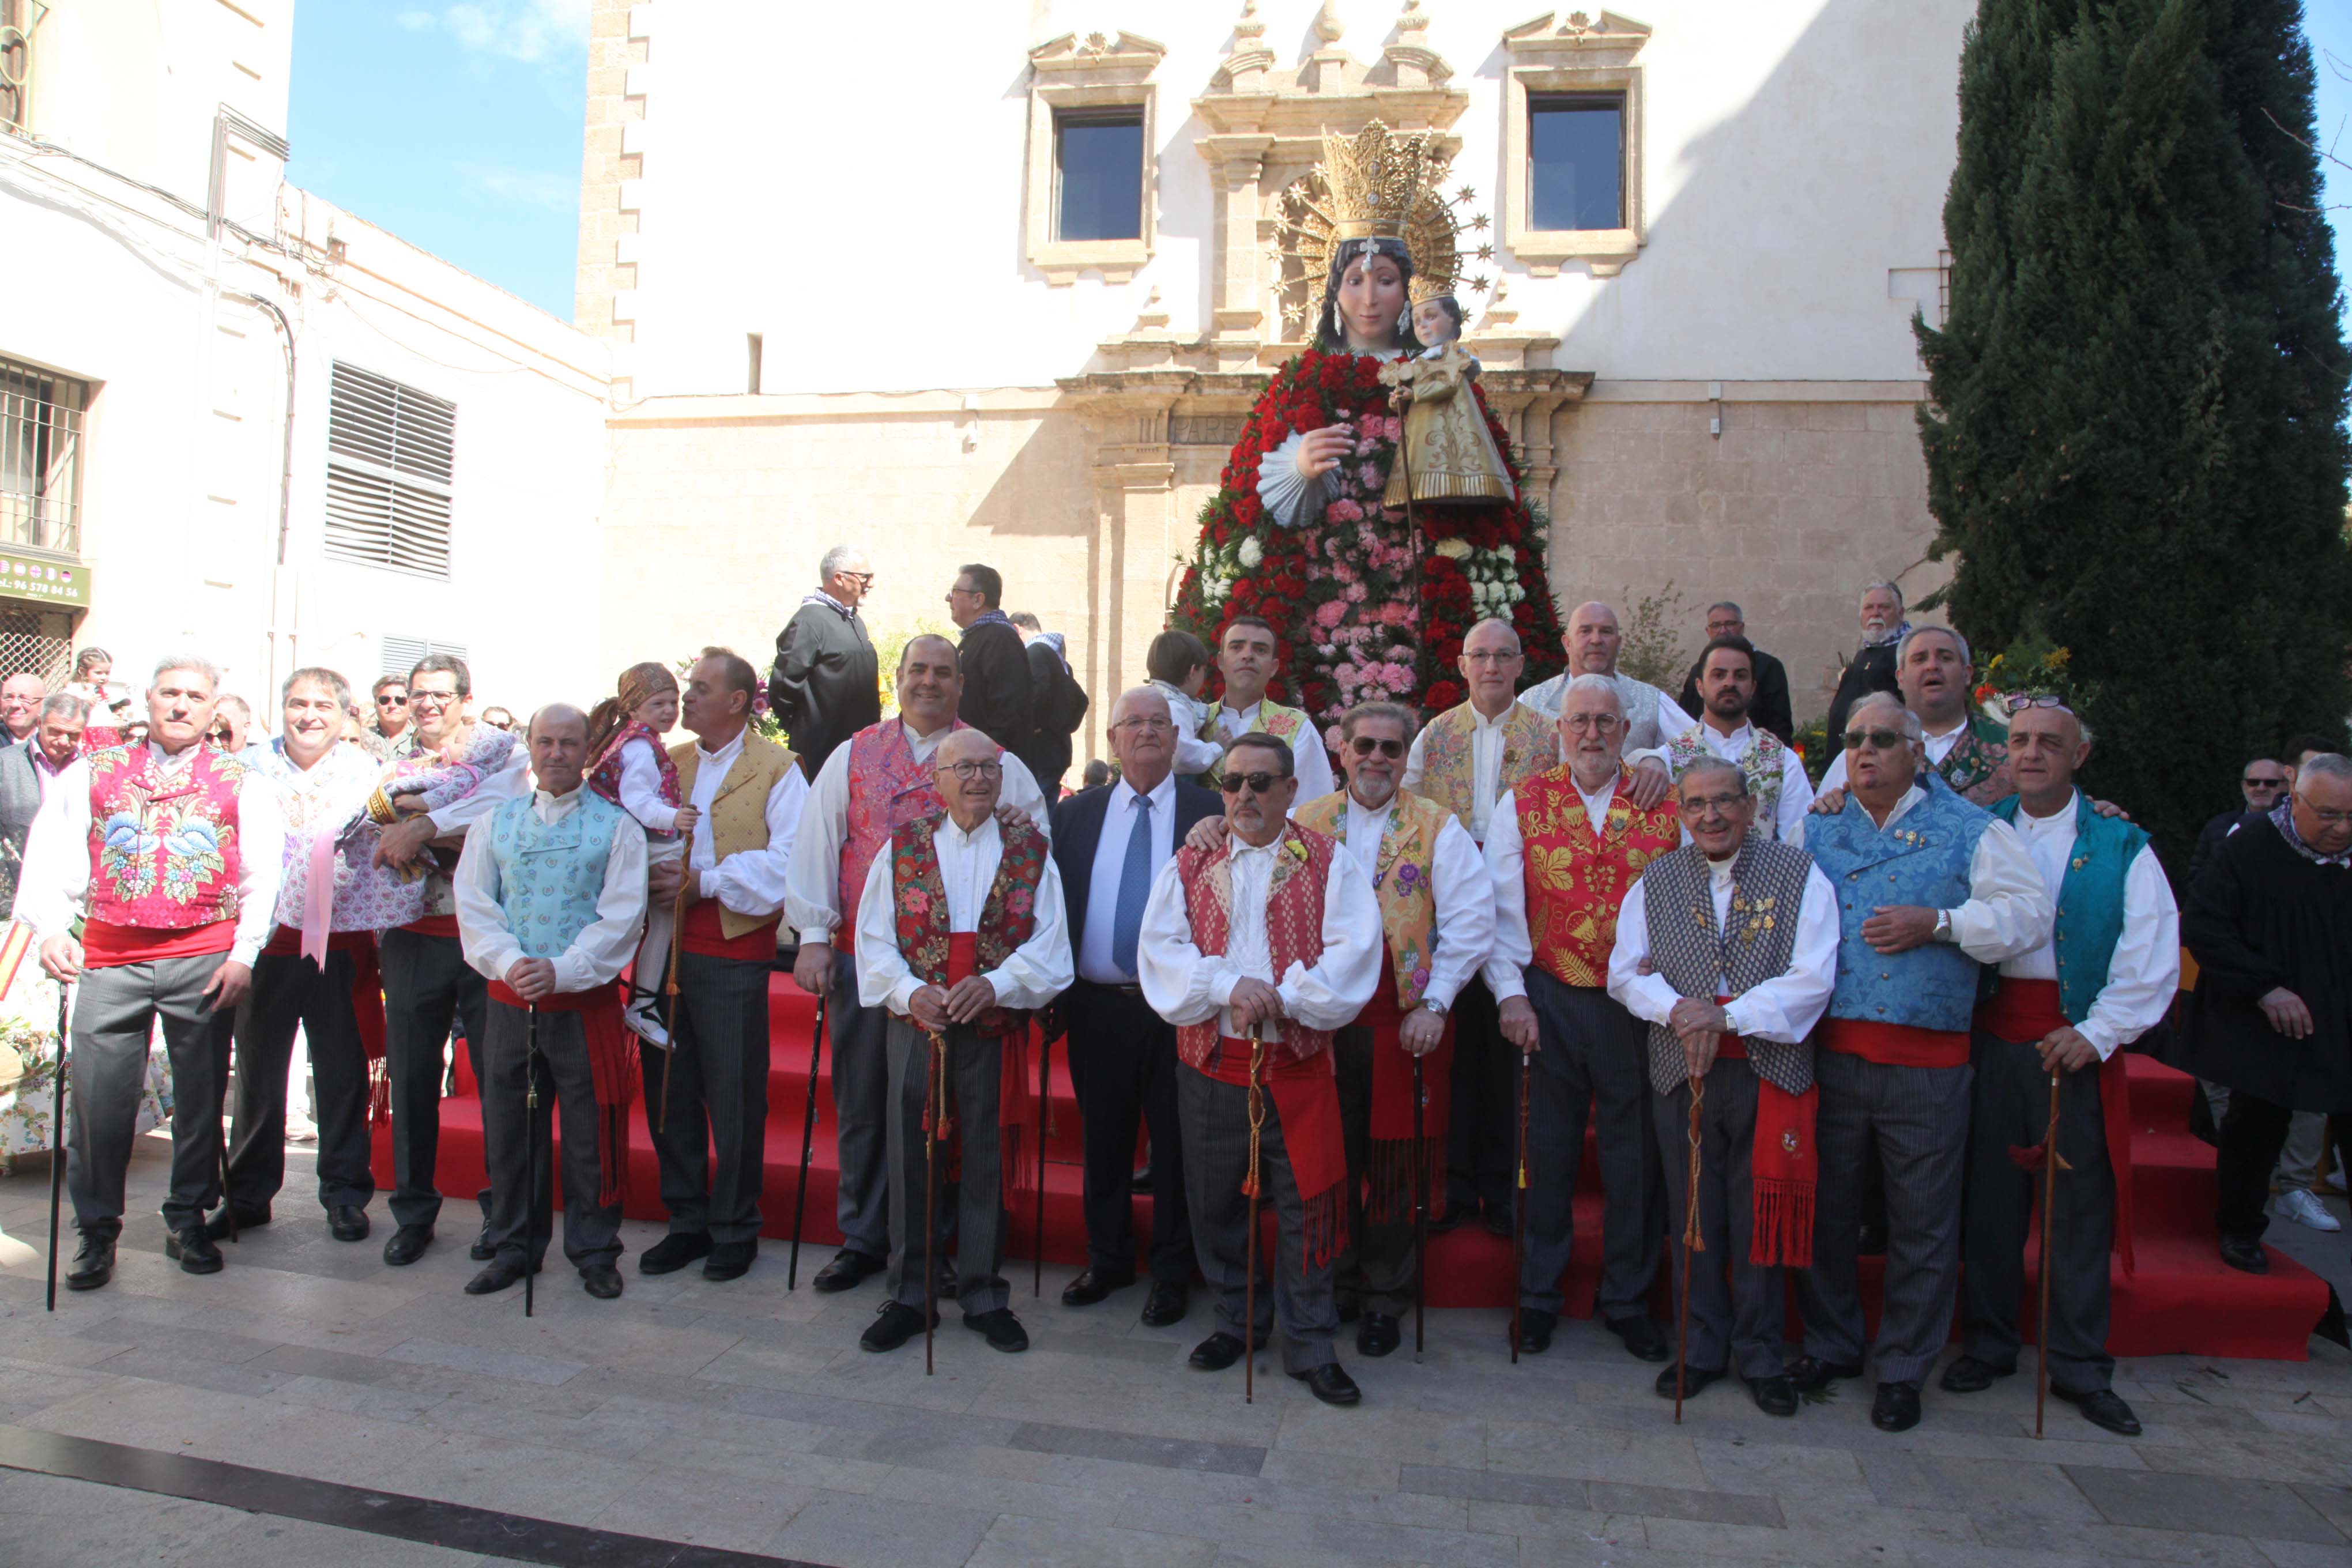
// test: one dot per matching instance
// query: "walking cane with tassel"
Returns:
(1420, 1209)
(2051, 1166)
(57, 1144)
(1520, 1205)
(1252, 1187)
(808, 1142)
(1692, 1242)
(934, 1106)
(530, 1157)
(669, 991)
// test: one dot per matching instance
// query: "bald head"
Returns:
(558, 747)
(1594, 638)
(970, 773)
(930, 683)
(1491, 663)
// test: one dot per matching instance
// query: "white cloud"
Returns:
(531, 31)
(524, 187)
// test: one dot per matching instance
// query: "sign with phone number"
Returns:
(23, 578)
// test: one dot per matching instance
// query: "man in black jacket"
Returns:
(1061, 706)
(1769, 711)
(826, 683)
(2262, 782)
(997, 695)
(1872, 668)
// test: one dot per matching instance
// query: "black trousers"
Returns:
(1738, 1307)
(2253, 1133)
(1593, 1067)
(1481, 1128)
(428, 985)
(289, 992)
(516, 1146)
(1376, 1267)
(719, 1102)
(1123, 1067)
(115, 1009)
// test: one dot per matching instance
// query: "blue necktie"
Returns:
(1134, 890)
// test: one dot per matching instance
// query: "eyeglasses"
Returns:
(437, 699)
(1878, 739)
(2253, 781)
(218, 734)
(1138, 722)
(2332, 819)
(1712, 802)
(2044, 699)
(1490, 655)
(970, 770)
(385, 700)
(1601, 724)
(1257, 784)
(1365, 745)
(862, 579)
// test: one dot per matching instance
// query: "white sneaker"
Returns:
(644, 1020)
(2300, 1206)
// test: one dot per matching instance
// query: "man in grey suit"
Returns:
(25, 768)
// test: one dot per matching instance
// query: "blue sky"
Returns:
(457, 127)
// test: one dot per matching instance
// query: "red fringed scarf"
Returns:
(612, 1062)
(1390, 1178)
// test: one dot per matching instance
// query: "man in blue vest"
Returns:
(551, 895)
(2104, 979)
(1930, 888)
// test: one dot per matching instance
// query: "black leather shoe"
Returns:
(1167, 1304)
(217, 1226)
(93, 1264)
(1694, 1379)
(845, 1271)
(1000, 1328)
(601, 1280)
(729, 1260)
(1498, 1219)
(1378, 1334)
(193, 1250)
(497, 1275)
(1809, 1376)
(347, 1222)
(408, 1244)
(1896, 1408)
(1643, 1337)
(2247, 1257)
(2105, 1408)
(482, 1251)
(1140, 1182)
(1350, 1307)
(1217, 1352)
(673, 1252)
(1774, 1396)
(1330, 1384)
(1094, 1285)
(1968, 1376)
(893, 1326)
(1535, 1330)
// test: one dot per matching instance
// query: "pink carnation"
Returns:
(1343, 512)
(1355, 593)
(1372, 475)
(1328, 614)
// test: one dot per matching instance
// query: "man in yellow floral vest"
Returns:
(1437, 913)
(1566, 848)
(1246, 663)
(1469, 757)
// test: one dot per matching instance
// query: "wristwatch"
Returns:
(1435, 1009)
(1943, 925)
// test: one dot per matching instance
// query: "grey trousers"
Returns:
(1737, 1307)
(1593, 1066)
(427, 986)
(2012, 1107)
(974, 1065)
(114, 1015)
(861, 1111)
(720, 1102)
(1214, 1119)
(519, 1207)
(289, 992)
(1918, 1120)
(1376, 1267)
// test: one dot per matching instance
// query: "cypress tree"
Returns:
(2134, 440)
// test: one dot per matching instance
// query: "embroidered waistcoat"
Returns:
(551, 873)
(605, 777)
(1449, 769)
(322, 800)
(1294, 928)
(1401, 876)
(2090, 902)
(737, 817)
(1977, 767)
(1768, 888)
(889, 788)
(1273, 719)
(1007, 918)
(163, 856)
(1920, 858)
(1759, 764)
(1576, 885)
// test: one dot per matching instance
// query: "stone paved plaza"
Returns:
(744, 1418)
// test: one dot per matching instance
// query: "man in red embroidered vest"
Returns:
(1279, 930)
(960, 931)
(878, 782)
(152, 875)
(1565, 848)
(709, 1129)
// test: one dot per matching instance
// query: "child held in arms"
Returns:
(1446, 450)
(631, 771)
(1178, 663)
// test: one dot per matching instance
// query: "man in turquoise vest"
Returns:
(1930, 888)
(2105, 978)
(551, 895)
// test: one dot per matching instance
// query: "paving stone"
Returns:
(1016, 1542)
(2267, 1510)
(859, 1532)
(1901, 1479)
(1043, 1437)
(1677, 1502)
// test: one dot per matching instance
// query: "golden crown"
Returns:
(1377, 184)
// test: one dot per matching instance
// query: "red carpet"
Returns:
(2181, 1299)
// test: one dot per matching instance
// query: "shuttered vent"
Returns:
(402, 655)
(390, 457)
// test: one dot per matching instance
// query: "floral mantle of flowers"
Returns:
(1363, 608)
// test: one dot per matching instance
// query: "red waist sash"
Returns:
(105, 946)
(436, 925)
(1306, 1097)
(1783, 1167)
(285, 942)
(2024, 1013)
(1012, 1082)
(702, 934)
(1894, 1044)
(611, 1065)
(1393, 1067)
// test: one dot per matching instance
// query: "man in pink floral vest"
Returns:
(152, 877)
(961, 934)
(875, 784)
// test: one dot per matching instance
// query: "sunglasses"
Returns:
(387, 700)
(1878, 739)
(1365, 745)
(1258, 783)
(2255, 783)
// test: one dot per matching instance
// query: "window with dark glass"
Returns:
(1098, 174)
(1575, 161)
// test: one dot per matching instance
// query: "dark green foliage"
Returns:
(2135, 446)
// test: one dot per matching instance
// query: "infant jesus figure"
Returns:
(1446, 454)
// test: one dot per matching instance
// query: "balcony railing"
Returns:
(40, 459)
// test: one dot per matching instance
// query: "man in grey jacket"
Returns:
(25, 768)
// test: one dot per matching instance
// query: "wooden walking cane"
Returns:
(2051, 1166)
(1251, 1187)
(1045, 1131)
(1693, 1241)
(530, 1157)
(1519, 1204)
(808, 1142)
(57, 1144)
(1419, 1209)
(669, 990)
(934, 1106)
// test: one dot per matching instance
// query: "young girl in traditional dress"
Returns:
(630, 769)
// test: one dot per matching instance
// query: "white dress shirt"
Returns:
(1119, 814)
(1505, 855)
(1938, 748)
(750, 881)
(1466, 901)
(1796, 789)
(1784, 1008)
(1310, 763)
(640, 787)
(604, 947)
(1037, 972)
(2146, 969)
(1185, 985)
(1486, 767)
(1652, 717)
(1194, 753)
(813, 900)
(55, 879)
(324, 797)
(2008, 911)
